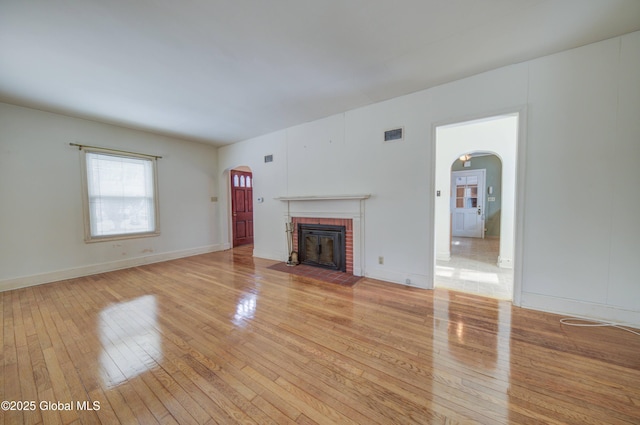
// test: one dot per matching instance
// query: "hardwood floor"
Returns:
(219, 338)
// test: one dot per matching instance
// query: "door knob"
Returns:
(479, 211)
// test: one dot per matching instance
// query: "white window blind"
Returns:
(121, 196)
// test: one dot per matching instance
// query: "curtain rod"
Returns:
(80, 147)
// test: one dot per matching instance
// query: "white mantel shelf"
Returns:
(324, 197)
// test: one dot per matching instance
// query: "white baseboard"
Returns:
(416, 280)
(443, 256)
(54, 276)
(270, 255)
(580, 309)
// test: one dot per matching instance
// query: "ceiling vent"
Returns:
(394, 134)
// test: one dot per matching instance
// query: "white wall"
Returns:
(269, 179)
(624, 163)
(578, 235)
(341, 155)
(41, 221)
(581, 233)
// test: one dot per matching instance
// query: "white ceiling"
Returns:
(221, 71)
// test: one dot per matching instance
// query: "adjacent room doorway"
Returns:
(242, 207)
(465, 258)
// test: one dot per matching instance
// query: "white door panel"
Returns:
(467, 203)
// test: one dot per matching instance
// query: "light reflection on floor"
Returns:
(473, 268)
(482, 353)
(245, 308)
(128, 333)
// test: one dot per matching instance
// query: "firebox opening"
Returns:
(322, 245)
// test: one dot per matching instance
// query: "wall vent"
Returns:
(268, 158)
(394, 134)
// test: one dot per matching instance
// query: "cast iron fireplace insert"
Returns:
(322, 245)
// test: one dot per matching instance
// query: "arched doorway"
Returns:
(476, 208)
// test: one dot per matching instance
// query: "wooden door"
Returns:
(467, 199)
(242, 207)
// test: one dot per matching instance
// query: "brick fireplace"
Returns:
(339, 210)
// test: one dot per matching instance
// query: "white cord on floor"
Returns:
(572, 321)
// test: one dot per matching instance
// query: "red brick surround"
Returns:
(347, 222)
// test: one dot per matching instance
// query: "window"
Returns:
(120, 195)
(241, 181)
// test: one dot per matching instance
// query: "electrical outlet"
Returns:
(380, 260)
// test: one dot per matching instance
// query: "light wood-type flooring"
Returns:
(219, 338)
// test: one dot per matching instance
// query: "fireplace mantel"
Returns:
(324, 197)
